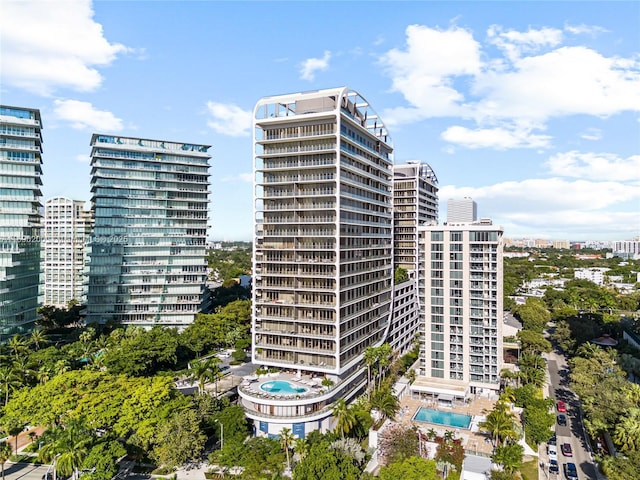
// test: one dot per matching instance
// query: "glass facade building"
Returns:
(20, 218)
(149, 201)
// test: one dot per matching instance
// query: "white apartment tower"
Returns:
(463, 302)
(322, 254)
(20, 218)
(67, 230)
(462, 210)
(149, 202)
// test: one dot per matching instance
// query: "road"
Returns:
(574, 432)
(24, 471)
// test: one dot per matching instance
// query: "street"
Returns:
(573, 433)
(24, 471)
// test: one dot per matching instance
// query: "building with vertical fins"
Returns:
(67, 230)
(149, 202)
(20, 218)
(415, 203)
(462, 210)
(323, 261)
(463, 305)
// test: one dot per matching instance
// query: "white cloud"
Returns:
(47, 45)
(592, 134)
(595, 166)
(555, 206)
(565, 81)
(310, 66)
(515, 43)
(444, 73)
(582, 29)
(229, 119)
(498, 138)
(82, 115)
(83, 158)
(423, 73)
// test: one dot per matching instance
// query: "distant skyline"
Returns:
(529, 108)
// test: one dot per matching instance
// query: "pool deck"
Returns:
(472, 440)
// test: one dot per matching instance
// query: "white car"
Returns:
(552, 452)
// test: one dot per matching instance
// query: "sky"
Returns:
(530, 108)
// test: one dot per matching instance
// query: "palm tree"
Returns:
(370, 358)
(509, 456)
(286, 440)
(384, 359)
(38, 338)
(345, 417)
(302, 447)
(69, 446)
(205, 370)
(9, 380)
(386, 403)
(23, 370)
(5, 454)
(500, 423)
(17, 344)
(627, 432)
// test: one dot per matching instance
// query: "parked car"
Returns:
(552, 452)
(562, 420)
(554, 467)
(552, 440)
(561, 406)
(570, 471)
(566, 450)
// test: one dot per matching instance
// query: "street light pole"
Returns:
(221, 433)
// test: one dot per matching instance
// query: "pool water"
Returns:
(282, 387)
(448, 419)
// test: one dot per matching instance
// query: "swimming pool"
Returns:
(282, 387)
(448, 419)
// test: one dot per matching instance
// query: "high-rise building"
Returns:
(67, 230)
(323, 258)
(20, 218)
(149, 202)
(463, 321)
(415, 203)
(462, 211)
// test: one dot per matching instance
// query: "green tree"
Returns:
(532, 341)
(286, 441)
(180, 439)
(385, 402)
(103, 457)
(411, 468)
(627, 431)
(205, 370)
(509, 456)
(345, 417)
(500, 423)
(370, 358)
(326, 463)
(69, 445)
(9, 381)
(400, 276)
(38, 338)
(5, 454)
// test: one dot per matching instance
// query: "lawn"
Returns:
(529, 470)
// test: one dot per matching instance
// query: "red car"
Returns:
(566, 450)
(562, 407)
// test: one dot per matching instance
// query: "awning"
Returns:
(445, 397)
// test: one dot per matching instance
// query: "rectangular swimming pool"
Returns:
(448, 419)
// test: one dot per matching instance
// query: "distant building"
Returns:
(595, 275)
(149, 201)
(20, 218)
(67, 231)
(462, 210)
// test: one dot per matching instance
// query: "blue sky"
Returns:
(530, 108)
